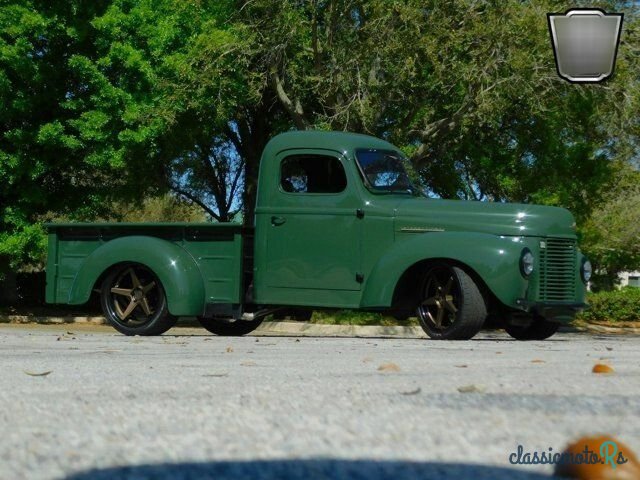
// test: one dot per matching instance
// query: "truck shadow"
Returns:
(308, 469)
(558, 338)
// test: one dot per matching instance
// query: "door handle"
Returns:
(277, 221)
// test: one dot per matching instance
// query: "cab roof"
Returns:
(339, 141)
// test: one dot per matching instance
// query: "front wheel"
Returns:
(451, 305)
(235, 328)
(134, 303)
(539, 329)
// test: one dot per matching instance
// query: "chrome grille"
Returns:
(557, 269)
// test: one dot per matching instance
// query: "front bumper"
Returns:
(551, 308)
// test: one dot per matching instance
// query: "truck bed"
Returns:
(217, 249)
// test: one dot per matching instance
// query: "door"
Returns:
(314, 232)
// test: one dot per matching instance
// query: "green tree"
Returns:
(143, 107)
(40, 166)
(611, 235)
(468, 89)
(129, 99)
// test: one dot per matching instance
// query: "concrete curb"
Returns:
(51, 320)
(311, 329)
(605, 329)
(304, 329)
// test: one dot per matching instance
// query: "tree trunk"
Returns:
(252, 165)
(255, 132)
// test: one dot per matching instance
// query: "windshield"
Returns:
(383, 171)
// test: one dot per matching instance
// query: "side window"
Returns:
(312, 174)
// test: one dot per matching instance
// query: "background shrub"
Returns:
(616, 306)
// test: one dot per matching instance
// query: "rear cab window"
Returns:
(312, 174)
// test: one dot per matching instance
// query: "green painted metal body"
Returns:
(196, 263)
(338, 250)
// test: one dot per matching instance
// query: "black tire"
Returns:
(450, 295)
(539, 329)
(134, 303)
(226, 328)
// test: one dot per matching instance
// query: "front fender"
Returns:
(494, 259)
(176, 269)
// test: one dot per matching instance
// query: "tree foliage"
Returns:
(611, 235)
(127, 99)
(40, 166)
(468, 89)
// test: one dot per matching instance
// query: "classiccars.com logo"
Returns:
(609, 454)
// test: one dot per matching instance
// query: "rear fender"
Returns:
(176, 269)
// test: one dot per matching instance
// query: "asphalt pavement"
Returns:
(84, 402)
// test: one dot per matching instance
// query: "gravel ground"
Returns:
(198, 406)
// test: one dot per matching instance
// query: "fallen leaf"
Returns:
(472, 389)
(70, 333)
(498, 353)
(388, 367)
(208, 339)
(38, 374)
(367, 360)
(537, 360)
(602, 368)
(461, 366)
(412, 392)
(600, 470)
(248, 363)
(229, 349)
(609, 348)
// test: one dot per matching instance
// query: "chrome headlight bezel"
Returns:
(586, 270)
(527, 263)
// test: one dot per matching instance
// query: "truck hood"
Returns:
(416, 215)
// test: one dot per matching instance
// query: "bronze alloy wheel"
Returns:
(451, 305)
(134, 302)
(441, 299)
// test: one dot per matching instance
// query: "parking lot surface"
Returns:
(85, 402)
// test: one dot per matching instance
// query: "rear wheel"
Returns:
(233, 328)
(539, 329)
(134, 303)
(451, 306)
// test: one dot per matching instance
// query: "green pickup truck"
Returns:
(338, 225)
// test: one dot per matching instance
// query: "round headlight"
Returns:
(586, 270)
(526, 262)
